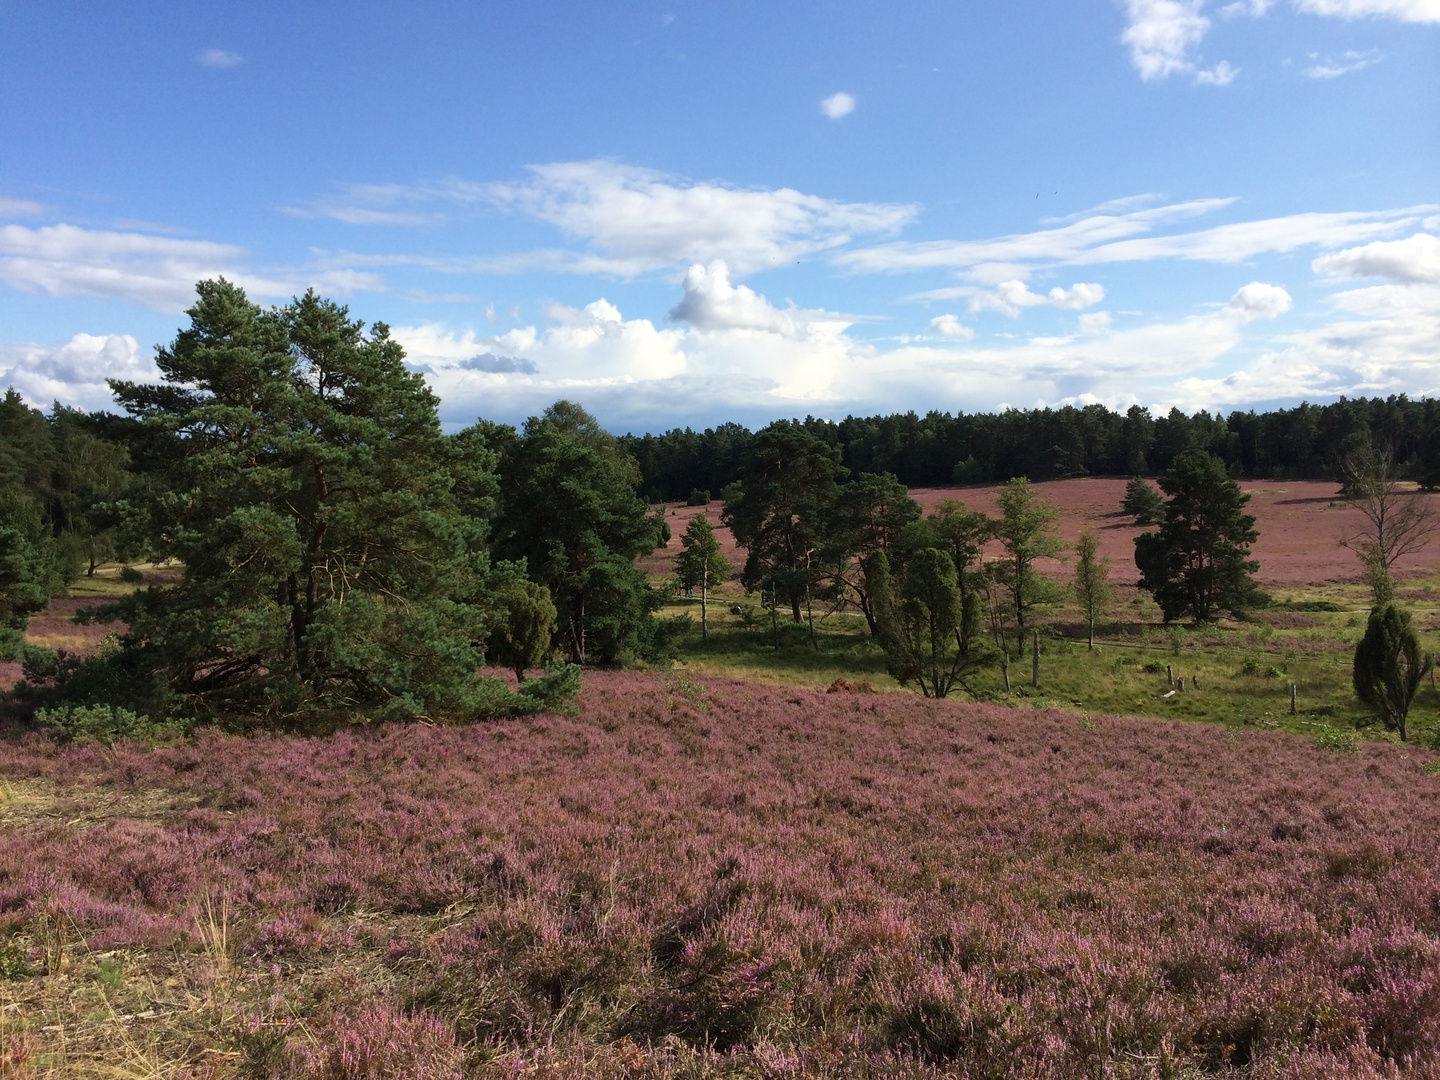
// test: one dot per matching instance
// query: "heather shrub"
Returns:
(781, 883)
(378, 1042)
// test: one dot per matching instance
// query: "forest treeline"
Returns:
(940, 449)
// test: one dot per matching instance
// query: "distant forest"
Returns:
(939, 449)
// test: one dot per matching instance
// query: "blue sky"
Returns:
(684, 212)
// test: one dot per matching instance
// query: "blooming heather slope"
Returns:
(740, 880)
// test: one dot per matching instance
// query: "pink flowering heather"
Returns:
(743, 880)
(379, 1042)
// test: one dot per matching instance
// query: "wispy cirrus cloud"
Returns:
(1413, 11)
(157, 272)
(219, 58)
(1115, 238)
(1334, 67)
(631, 220)
(13, 208)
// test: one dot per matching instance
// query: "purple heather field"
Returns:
(736, 880)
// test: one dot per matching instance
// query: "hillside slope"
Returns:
(731, 879)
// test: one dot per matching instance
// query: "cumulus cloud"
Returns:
(1222, 74)
(1161, 34)
(1010, 296)
(1415, 259)
(711, 302)
(736, 360)
(634, 220)
(950, 326)
(838, 105)
(1389, 349)
(158, 272)
(1259, 301)
(219, 58)
(74, 372)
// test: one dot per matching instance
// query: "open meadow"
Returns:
(1236, 672)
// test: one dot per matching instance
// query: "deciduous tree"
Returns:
(1026, 528)
(1092, 580)
(700, 564)
(1397, 521)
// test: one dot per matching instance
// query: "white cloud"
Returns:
(1404, 10)
(1010, 296)
(1344, 65)
(635, 369)
(1120, 238)
(838, 105)
(219, 58)
(711, 302)
(1259, 300)
(949, 326)
(737, 359)
(158, 272)
(1415, 259)
(73, 373)
(372, 204)
(1255, 9)
(1222, 74)
(11, 208)
(1161, 34)
(1053, 246)
(636, 220)
(1390, 350)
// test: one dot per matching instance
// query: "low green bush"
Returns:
(105, 724)
(1336, 739)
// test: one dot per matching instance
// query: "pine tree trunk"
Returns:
(704, 598)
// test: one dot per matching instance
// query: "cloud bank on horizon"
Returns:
(653, 296)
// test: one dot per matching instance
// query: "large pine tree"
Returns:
(303, 487)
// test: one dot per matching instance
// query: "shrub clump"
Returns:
(104, 724)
